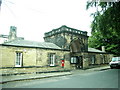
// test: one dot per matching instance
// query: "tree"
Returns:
(106, 26)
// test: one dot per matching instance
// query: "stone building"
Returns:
(63, 44)
(66, 38)
(76, 42)
(12, 35)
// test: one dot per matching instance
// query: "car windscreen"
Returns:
(116, 59)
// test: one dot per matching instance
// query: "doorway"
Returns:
(79, 64)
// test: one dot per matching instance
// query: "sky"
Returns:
(35, 17)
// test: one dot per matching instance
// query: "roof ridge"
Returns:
(28, 43)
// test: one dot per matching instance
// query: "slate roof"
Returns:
(26, 43)
(95, 50)
(45, 45)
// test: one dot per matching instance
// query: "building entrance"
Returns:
(79, 64)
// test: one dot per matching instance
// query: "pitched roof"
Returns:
(47, 45)
(95, 50)
(26, 43)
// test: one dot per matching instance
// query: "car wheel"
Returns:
(111, 67)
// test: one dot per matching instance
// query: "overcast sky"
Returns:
(35, 17)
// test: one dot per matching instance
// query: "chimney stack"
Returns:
(12, 33)
(103, 48)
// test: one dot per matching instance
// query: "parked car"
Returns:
(115, 63)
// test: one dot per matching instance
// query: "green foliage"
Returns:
(106, 26)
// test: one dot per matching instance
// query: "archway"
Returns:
(76, 45)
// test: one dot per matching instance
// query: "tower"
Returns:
(12, 33)
(68, 38)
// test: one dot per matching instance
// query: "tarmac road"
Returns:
(98, 79)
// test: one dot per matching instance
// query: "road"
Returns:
(97, 79)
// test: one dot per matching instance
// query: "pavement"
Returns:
(5, 79)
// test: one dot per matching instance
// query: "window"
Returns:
(116, 59)
(73, 60)
(52, 59)
(18, 62)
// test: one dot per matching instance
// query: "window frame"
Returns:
(52, 59)
(18, 59)
(73, 60)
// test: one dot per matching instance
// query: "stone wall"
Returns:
(9, 56)
(85, 60)
(43, 57)
(100, 58)
(18, 71)
(93, 59)
(64, 35)
(32, 56)
(37, 57)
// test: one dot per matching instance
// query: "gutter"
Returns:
(34, 47)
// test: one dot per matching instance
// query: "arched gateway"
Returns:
(76, 47)
(70, 39)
